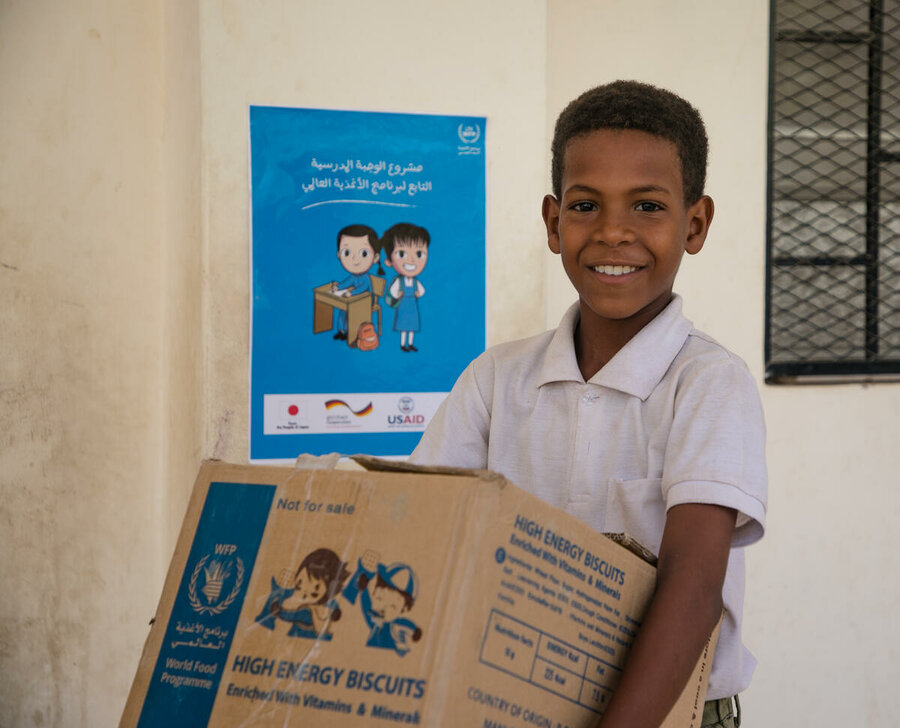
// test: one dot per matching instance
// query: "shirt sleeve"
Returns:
(458, 434)
(716, 448)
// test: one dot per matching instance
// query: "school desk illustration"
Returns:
(359, 308)
(349, 304)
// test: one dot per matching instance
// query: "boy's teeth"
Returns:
(615, 270)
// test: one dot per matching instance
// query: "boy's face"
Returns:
(308, 588)
(387, 602)
(409, 257)
(356, 254)
(622, 226)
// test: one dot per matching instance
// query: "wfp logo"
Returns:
(218, 578)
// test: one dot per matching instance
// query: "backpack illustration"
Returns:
(366, 337)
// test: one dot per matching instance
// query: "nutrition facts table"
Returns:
(540, 659)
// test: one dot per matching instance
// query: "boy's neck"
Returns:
(598, 340)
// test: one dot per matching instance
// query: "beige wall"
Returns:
(99, 373)
(124, 303)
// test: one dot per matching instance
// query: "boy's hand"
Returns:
(687, 604)
(370, 559)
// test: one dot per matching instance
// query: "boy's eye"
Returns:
(420, 254)
(346, 252)
(647, 206)
(401, 254)
(583, 206)
(364, 253)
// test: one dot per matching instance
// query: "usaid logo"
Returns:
(406, 418)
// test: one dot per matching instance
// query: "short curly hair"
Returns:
(642, 107)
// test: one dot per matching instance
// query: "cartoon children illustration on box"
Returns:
(358, 249)
(386, 593)
(406, 250)
(307, 599)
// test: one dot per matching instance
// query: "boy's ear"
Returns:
(550, 213)
(700, 216)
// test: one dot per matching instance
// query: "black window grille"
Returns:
(833, 232)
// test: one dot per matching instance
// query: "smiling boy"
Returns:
(626, 416)
(358, 251)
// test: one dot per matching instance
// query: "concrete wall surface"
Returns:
(124, 303)
(99, 302)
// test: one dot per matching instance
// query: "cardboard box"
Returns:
(436, 598)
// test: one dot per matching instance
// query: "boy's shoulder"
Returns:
(701, 351)
(527, 357)
(668, 350)
(517, 355)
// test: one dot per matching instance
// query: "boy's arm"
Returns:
(687, 604)
(459, 431)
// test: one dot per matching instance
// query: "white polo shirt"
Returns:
(672, 418)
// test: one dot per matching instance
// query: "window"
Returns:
(833, 229)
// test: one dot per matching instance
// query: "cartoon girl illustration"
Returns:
(358, 249)
(386, 593)
(406, 249)
(308, 601)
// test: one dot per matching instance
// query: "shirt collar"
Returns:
(636, 368)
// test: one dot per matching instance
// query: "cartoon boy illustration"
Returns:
(385, 593)
(406, 248)
(307, 600)
(358, 249)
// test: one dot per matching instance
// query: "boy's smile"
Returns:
(387, 603)
(622, 227)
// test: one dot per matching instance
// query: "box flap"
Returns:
(402, 466)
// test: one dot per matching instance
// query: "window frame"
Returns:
(869, 367)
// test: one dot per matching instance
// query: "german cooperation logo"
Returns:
(339, 413)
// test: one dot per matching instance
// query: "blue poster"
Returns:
(368, 265)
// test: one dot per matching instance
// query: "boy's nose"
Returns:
(612, 230)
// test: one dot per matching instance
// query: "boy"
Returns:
(392, 596)
(358, 251)
(625, 416)
(406, 248)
